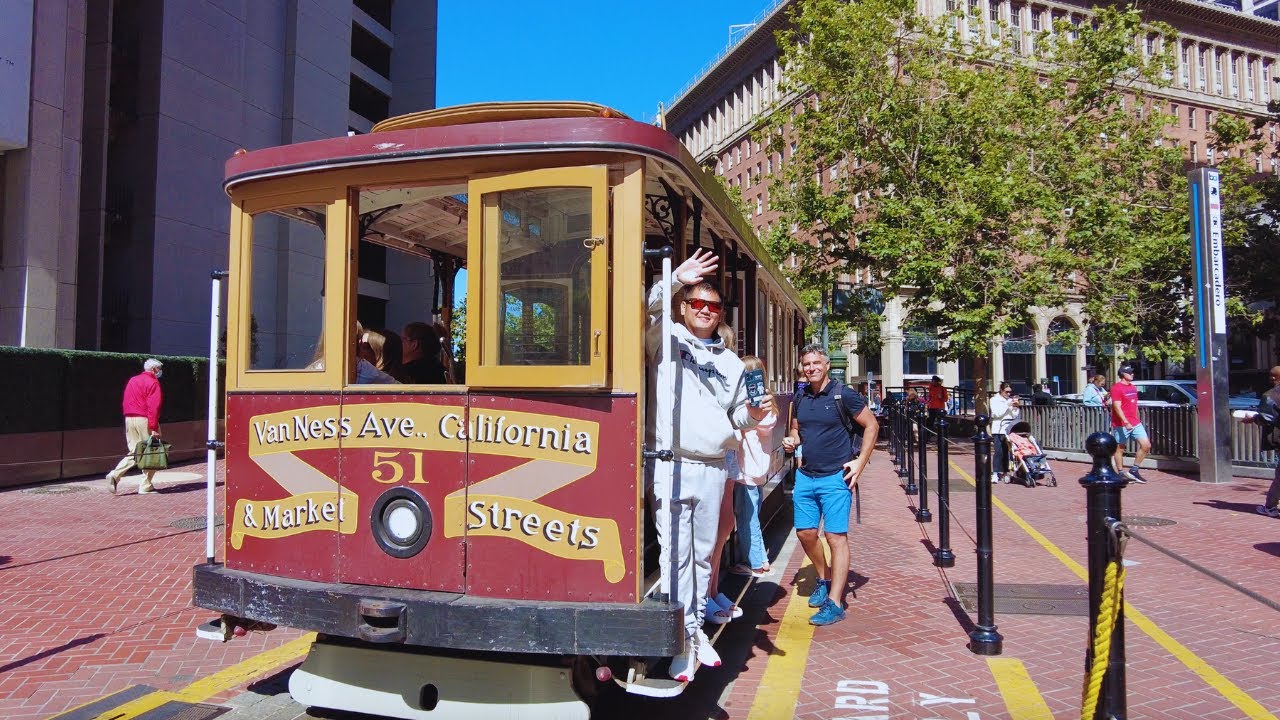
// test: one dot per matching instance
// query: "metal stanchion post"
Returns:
(983, 639)
(909, 426)
(893, 436)
(1103, 485)
(922, 504)
(943, 557)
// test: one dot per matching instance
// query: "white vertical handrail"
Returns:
(667, 373)
(211, 446)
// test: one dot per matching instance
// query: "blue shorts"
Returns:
(823, 498)
(1122, 436)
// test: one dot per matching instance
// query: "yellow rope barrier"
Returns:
(1108, 612)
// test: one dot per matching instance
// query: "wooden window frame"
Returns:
(483, 366)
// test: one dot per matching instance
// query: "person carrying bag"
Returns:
(152, 454)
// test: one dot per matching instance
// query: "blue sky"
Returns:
(627, 54)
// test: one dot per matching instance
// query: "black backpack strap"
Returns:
(855, 434)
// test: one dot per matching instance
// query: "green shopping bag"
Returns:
(152, 454)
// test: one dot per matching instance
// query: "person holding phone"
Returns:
(824, 486)
(1006, 408)
(708, 406)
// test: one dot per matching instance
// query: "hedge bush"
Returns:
(50, 389)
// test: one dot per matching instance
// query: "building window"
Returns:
(1177, 116)
(1191, 118)
(1208, 120)
(1202, 58)
(759, 204)
(1195, 152)
(1249, 81)
(1235, 75)
(768, 165)
(1209, 154)
(793, 150)
(748, 180)
(1150, 46)
(1015, 29)
(974, 20)
(1217, 72)
(1266, 81)
(1074, 34)
(1184, 66)
(737, 155)
(993, 17)
(1257, 162)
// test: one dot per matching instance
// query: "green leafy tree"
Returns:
(978, 183)
(1251, 224)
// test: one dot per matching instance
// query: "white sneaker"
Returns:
(707, 654)
(684, 665)
(995, 478)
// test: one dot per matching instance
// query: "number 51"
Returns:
(381, 458)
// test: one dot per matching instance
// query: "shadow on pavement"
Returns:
(52, 651)
(1247, 508)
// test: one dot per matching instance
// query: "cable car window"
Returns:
(286, 303)
(412, 239)
(545, 275)
(537, 259)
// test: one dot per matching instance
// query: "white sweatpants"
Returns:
(686, 497)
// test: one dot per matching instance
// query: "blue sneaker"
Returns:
(829, 614)
(820, 593)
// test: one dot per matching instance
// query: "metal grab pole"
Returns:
(909, 426)
(983, 639)
(212, 444)
(943, 557)
(1102, 487)
(667, 385)
(922, 504)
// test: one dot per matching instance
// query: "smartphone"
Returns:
(755, 386)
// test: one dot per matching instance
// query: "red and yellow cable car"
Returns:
(481, 539)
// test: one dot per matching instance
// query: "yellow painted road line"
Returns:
(1019, 692)
(1229, 690)
(779, 689)
(221, 681)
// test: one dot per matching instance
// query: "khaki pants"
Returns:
(135, 431)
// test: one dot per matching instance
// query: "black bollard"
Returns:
(922, 504)
(895, 437)
(943, 557)
(983, 639)
(910, 427)
(1103, 485)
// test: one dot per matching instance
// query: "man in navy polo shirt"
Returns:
(824, 486)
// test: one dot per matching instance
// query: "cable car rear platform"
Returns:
(443, 620)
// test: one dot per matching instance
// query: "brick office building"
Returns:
(1228, 60)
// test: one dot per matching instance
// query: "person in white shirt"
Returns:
(1006, 408)
(698, 423)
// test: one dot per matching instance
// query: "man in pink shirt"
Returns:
(141, 421)
(1126, 424)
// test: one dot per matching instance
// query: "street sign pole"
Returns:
(1212, 417)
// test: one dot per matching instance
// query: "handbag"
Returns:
(152, 454)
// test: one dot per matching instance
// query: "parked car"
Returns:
(1168, 393)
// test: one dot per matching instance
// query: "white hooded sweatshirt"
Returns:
(710, 399)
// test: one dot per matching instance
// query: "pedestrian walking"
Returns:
(1126, 425)
(936, 403)
(142, 399)
(709, 404)
(832, 466)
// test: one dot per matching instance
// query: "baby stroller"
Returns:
(1030, 466)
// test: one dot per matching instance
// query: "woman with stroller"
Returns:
(1006, 408)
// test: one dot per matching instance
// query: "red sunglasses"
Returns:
(714, 306)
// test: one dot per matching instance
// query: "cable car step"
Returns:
(416, 686)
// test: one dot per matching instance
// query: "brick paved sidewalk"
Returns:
(904, 643)
(96, 591)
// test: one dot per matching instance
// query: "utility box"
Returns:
(15, 74)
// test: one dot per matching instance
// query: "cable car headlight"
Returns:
(401, 522)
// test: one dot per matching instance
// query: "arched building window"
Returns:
(1060, 356)
(1019, 359)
